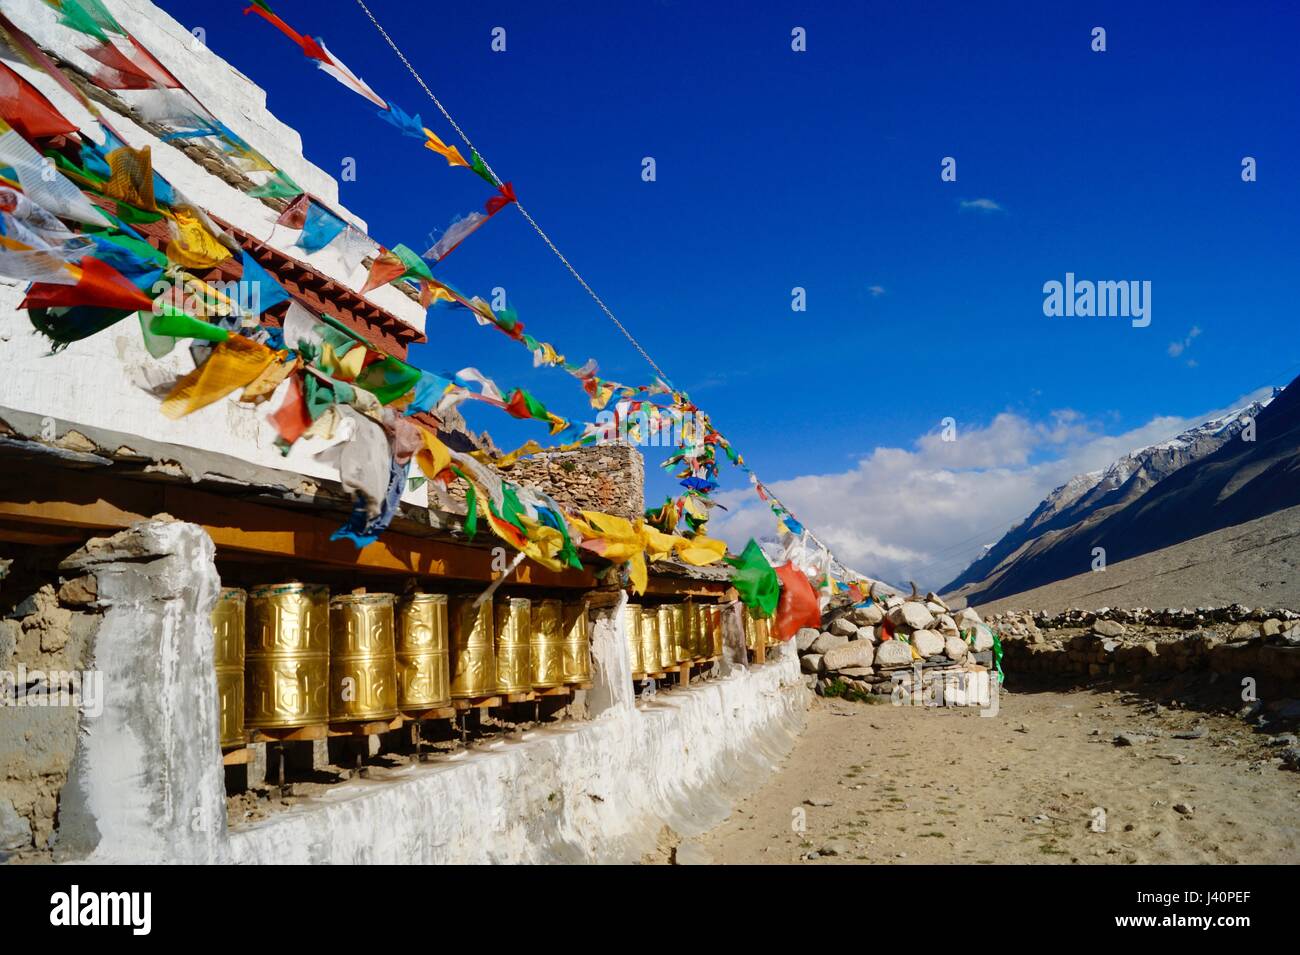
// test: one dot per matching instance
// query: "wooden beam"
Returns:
(59, 499)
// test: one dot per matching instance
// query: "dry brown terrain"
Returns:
(1256, 563)
(899, 785)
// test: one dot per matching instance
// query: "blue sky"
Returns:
(821, 169)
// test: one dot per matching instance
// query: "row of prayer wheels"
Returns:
(289, 656)
(659, 638)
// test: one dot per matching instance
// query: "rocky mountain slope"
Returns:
(1207, 478)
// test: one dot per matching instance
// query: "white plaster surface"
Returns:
(597, 791)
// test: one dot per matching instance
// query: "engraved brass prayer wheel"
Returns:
(683, 648)
(472, 649)
(703, 629)
(715, 628)
(667, 637)
(575, 661)
(287, 656)
(697, 633)
(632, 630)
(363, 659)
(546, 645)
(650, 645)
(751, 629)
(228, 658)
(514, 653)
(423, 671)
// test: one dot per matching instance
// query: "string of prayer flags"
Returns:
(315, 49)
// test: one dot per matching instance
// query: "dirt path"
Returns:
(902, 785)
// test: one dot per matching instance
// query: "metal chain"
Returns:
(522, 211)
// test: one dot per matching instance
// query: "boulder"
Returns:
(868, 616)
(911, 616)
(983, 638)
(811, 663)
(1270, 628)
(934, 608)
(947, 626)
(1108, 628)
(893, 653)
(955, 648)
(967, 618)
(867, 634)
(855, 654)
(803, 640)
(827, 641)
(843, 627)
(928, 643)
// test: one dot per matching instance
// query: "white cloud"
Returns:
(1177, 348)
(876, 290)
(926, 512)
(980, 205)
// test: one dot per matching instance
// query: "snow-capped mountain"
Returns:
(1087, 500)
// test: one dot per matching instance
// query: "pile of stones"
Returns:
(870, 648)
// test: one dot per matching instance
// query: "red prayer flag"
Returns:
(798, 606)
(385, 268)
(291, 418)
(100, 285)
(27, 110)
(499, 202)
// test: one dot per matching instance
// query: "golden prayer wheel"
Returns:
(703, 630)
(683, 649)
(514, 651)
(575, 661)
(363, 659)
(423, 672)
(650, 645)
(751, 629)
(287, 656)
(546, 645)
(632, 629)
(715, 628)
(698, 635)
(472, 649)
(667, 637)
(228, 658)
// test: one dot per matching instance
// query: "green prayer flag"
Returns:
(279, 186)
(173, 323)
(755, 580)
(416, 267)
(476, 163)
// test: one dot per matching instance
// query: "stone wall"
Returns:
(603, 477)
(1085, 645)
(47, 626)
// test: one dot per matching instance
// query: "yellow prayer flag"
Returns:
(449, 153)
(233, 364)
